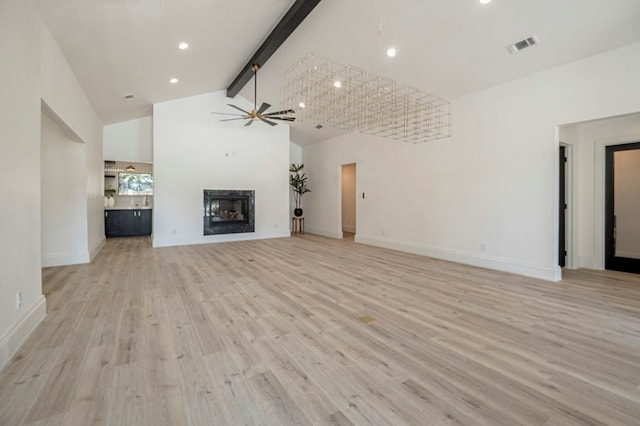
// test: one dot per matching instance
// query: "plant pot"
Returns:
(297, 212)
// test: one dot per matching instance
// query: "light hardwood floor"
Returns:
(310, 330)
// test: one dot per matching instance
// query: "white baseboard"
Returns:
(514, 266)
(73, 258)
(324, 232)
(60, 259)
(93, 251)
(211, 239)
(11, 341)
(587, 262)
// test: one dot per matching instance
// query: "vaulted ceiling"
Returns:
(451, 48)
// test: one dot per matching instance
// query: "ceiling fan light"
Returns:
(337, 84)
(391, 52)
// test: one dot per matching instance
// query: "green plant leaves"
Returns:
(298, 182)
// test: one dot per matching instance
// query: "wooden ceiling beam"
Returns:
(287, 25)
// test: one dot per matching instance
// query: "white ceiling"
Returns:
(448, 47)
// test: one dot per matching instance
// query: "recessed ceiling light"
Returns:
(391, 52)
(183, 45)
(337, 84)
(484, 1)
(302, 105)
(173, 80)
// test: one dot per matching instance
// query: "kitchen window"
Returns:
(135, 183)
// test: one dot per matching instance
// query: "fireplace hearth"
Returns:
(228, 211)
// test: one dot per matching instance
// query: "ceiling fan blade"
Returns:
(265, 106)
(226, 113)
(249, 123)
(281, 118)
(233, 119)
(239, 109)
(270, 123)
(286, 111)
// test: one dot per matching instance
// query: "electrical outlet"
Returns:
(483, 247)
(19, 300)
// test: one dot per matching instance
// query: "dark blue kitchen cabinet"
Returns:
(127, 223)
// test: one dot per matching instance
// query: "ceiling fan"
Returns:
(258, 113)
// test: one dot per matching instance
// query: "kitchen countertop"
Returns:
(129, 208)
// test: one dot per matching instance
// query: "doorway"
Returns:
(349, 201)
(63, 193)
(622, 207)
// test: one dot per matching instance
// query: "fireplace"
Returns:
(228, 211)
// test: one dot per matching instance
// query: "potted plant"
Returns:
(298, 182)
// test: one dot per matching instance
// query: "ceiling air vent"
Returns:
(522, 44)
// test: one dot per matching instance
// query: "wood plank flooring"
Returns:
(310, 330)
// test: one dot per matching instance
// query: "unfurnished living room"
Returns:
(348, 212)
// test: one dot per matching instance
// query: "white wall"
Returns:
(63, 94)
(129, 141)
(493, 185)
(33, 69)
(63, 193)
(295, 153)
(349, 198)
(627, 203)
(193, 151)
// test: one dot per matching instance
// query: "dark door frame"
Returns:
(611, 261)
(562, 208)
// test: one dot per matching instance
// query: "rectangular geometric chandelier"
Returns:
(349, 98)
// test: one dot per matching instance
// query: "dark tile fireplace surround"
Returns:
(228, 211)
